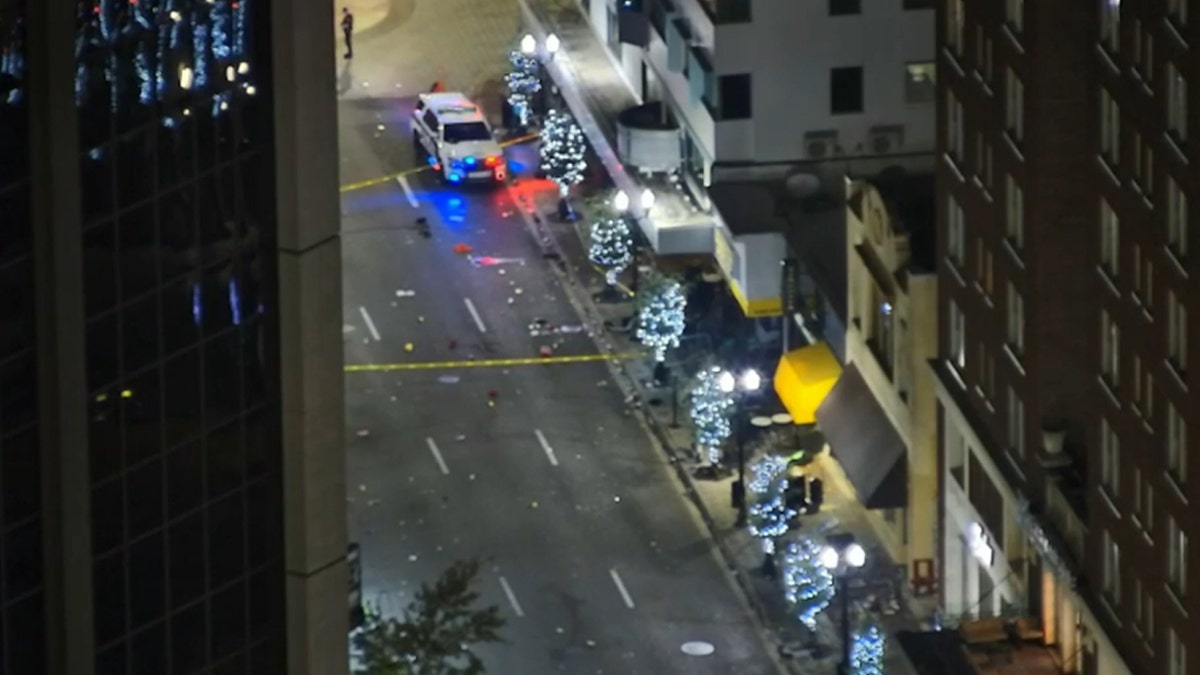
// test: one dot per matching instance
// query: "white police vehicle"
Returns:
(453, 136)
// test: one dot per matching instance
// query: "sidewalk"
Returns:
(583, 59)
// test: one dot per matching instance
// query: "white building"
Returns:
(763, 89)
(788, 81)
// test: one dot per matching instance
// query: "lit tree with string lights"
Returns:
(523, 84)
(807, 584)
(612, 247)
(769, 515)
(660, 319)
(710, 412)
(564, 156)
(866, 652)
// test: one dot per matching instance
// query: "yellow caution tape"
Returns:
(351, 187)
(489, 363)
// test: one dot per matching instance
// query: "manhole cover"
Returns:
(697, 648)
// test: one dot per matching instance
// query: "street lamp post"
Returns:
(841, 563)
(529, 47)
(747, 383)
(621, 203)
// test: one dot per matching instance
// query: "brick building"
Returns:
(1065, 291)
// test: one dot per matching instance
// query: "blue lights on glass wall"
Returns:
(170, 50)
(12, 58)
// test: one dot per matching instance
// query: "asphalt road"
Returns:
(595, 557)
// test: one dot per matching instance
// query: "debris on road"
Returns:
(363, 433)
(462, 249)
(408, 346)
(405, 293)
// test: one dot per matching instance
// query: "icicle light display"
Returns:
(769, 515)
(523, 84)
(612, 247)
(167, 51)
(866, 652)
(710, 413)
(564, 151)
(807, 584)
(661, 314)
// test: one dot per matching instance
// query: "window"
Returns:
(1176, 654)
(1142, 51)
(1110, 338)
(1177, 11)
(1110, 459)
(1143, 389)
(1143, 169)
(844, 7)
(983, 54)
(1111, 572)
(1177, 219)
(1177, 557)
(466, 131)
(987, 374)
(1143, 502)
(956, 231)
(920, 82)
(954, 126)
(1176, 445)
(736, 97)
(1015, 322)
(1110, 23)
(1110, 128)
(846, 90)
(1177, 342)
(1014, 14)
(983, 162)
(1014, 106)
(983, 257)
(1176, 103)
(881, 330)
(1110, 239)
(958, 337)
(1138, 615)
(1143, 276)
(1016, 423)
(954, 25)
(1014, 213)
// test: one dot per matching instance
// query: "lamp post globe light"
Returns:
(553, 44)
(528, 44)
(853, 556)
(648, 199)
(747, 382)
(621, 201)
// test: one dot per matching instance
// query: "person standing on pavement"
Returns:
(348, 31)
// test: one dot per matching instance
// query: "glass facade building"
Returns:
(167, 291)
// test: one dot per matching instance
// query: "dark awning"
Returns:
(864, 442)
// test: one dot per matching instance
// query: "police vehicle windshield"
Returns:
(466, 131)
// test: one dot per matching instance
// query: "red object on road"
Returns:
(492, 393)
(462, 249)
(545, 351)
(453, 344)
